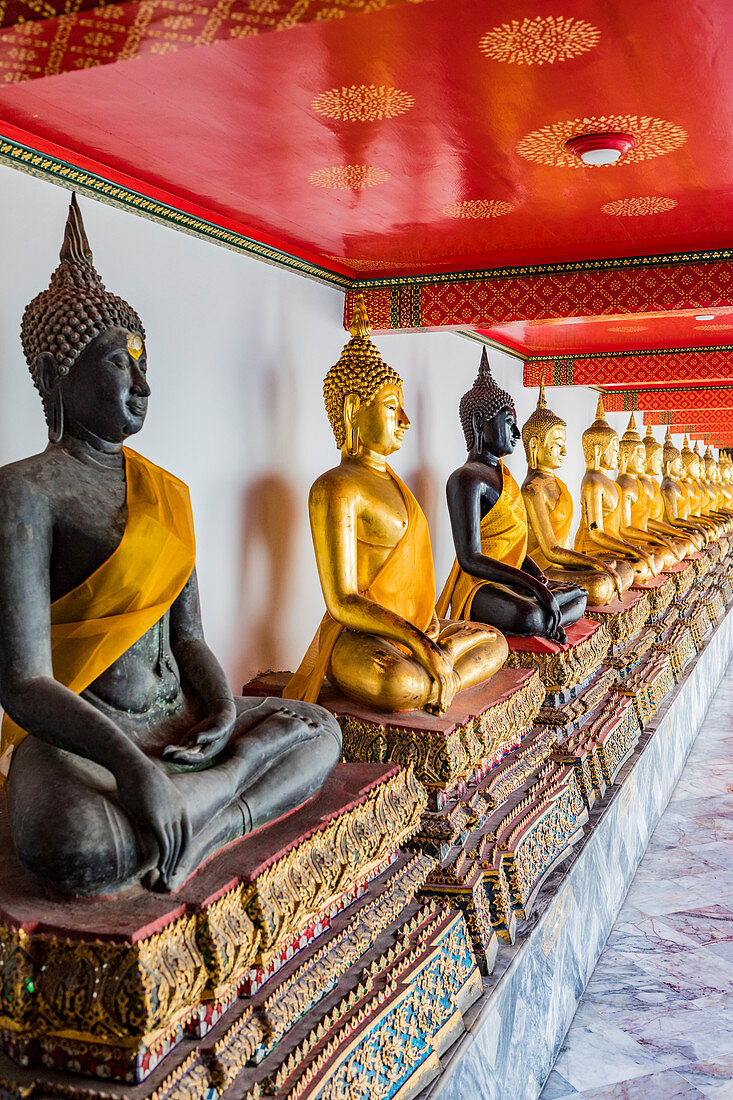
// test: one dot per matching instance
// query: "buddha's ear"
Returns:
(533, 454)
(597, 454)
(47, 372)
(352, 404)
(477, 423)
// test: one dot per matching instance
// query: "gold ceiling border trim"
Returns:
(55, 170)
(569, 358)
(568, 267)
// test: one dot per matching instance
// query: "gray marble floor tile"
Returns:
(714, 1078)
(557, 1088)
(657, 1086)
(596, 1052)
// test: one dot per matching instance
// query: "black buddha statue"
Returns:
(493, 579)
(126, 757)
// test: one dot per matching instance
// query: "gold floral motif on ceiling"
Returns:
(540, 41)
(627, 328)
(653, 138)
(478, 208)
(348, 177)
(639, 206)
(363, 103)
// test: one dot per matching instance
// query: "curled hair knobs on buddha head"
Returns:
(484, 397)
(75, 309)
(359, 370)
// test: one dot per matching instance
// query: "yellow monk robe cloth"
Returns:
(95, 623)
(656, 512)
(405, 585)
(611, 520)
(503, 537)
(561, 518)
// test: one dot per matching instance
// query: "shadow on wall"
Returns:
(423, 479)
(268, 540)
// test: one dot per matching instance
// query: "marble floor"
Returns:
(656, 1019)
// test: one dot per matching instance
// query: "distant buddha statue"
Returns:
(712, 481)
(380, 641)
(636, 504)
(126, 755)
(599, 531)
(676, 497)
(550, 513)
(725, 468)
(493, 579)
(684, 543)
(699, 502)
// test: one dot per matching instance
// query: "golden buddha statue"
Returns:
(549, 508)
(636, 502)
(713, 484)
(676, 497)
(697, 497)
(725, 469)
(599, 531)
(380, 641)
(684, 543)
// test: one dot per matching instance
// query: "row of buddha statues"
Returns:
(126, 757)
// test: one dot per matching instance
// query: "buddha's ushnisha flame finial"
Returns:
(631, 426)
(359, 326)
(668, 436)
(541, 399)
(75, 248)
(600, 411)
(649, 432)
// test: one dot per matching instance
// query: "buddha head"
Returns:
(726, 468)
(673, 466)
(690, 461)
(85, 348)
(632, 453)
(543, 436)
(488, 416)
(600, 442)
(654, 453)
(363, 395)
(710, 465)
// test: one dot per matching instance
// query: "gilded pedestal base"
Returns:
(647, 685)
(623, 619)
(660, 591)
(562, 668)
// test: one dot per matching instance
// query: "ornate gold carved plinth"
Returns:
(113, 989)
(678, 644)
(682, 575)
(660, 591)
(562, 668)
(648, 685)
(627, 657)
(566, 717)
(614, 738)
(623, 619)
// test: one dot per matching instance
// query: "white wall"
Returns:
(237, 352)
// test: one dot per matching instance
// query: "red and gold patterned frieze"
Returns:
(483, 299)
(720, 420)
(692, 398)
(674, 365)
(41, 38)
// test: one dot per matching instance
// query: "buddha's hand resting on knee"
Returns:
(154, 804)
(440, 670)
(208, 737)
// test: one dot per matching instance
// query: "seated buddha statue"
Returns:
(712, 482)
(493, 579)
(380, 641)
(636, 503)
(684, 543)
(725, 468)
(549, 508)
(677, 498)
(599, 531)
(699, 502)
(127, 759)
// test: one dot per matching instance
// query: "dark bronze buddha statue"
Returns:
(126, 756)
(493, 580)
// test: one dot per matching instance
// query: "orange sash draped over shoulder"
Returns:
(95, 623)
(611, 521)
(503, 537)
(561, 519)
(405, 584)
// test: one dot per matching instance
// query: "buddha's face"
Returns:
(677, 468)
(382, 421)
(637, 460)
(500, 432)
(654, 461)
(106, 391)
(609, 458)
(551, 451)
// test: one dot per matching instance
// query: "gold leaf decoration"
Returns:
(638, 207)
(363, 103)
(627, 328)
(478, 208)
(540, 41)
(654, 137)
(348, 177)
